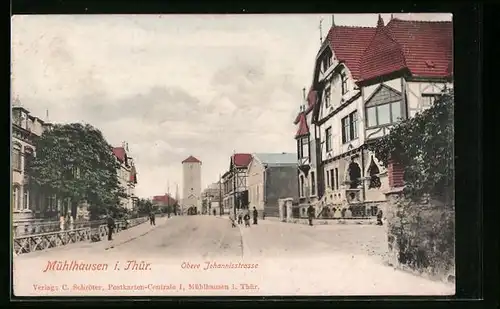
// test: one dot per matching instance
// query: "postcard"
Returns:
(232, 155)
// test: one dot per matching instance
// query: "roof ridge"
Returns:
(353, 27)
(422, 21)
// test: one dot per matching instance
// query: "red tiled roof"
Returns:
(348, 45)
(241, 159)
(312, 97)
(422, 47)
(164, 199)
(303, 127)
(120, 153)
(191, 159)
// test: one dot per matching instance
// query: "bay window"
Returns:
(384, 114)
(303, 147)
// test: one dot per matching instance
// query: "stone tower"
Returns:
(191, 189)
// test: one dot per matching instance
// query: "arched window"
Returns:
(374, 171)
(16, 157)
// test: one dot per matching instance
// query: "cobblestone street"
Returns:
(317, 260)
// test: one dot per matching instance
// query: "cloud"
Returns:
(172, 86)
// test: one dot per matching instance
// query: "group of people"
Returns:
(245, 217)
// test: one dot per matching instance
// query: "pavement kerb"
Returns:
(113, 245)
(245, 250)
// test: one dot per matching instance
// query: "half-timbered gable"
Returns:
(407, 65)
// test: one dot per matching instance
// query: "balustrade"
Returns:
(29, 237)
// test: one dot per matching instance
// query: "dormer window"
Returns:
(327, 60)
(343, 79)
(327, 97)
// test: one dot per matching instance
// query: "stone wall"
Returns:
(421, 236)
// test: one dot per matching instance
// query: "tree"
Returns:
(144, 206)
(424, 146)
(75, 162)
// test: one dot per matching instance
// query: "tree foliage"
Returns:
(75, 161)
(144, 206)
(423, 145)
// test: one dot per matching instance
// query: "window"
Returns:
(301, 189)
(303, 147)
(328, 92)
(327, 61)
(350, 127)
(428, 99)
(28, 157)
(332, 181)
(313, 184)
(328, 141)
(336, 178)
(384, 114)
(15, 197)
(26, 199)
(328, 179)
(343, 79)
(16, 157)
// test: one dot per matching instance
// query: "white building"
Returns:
(271, 176)
(366, 80)
(27, 201)
(191, 190)
(127, 175)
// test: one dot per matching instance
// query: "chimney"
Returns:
(380, 22)
(395, 172)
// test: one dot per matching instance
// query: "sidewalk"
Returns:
(120, 238)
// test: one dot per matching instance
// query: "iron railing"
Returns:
(88, 231)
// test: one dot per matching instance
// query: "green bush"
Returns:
(422, 223)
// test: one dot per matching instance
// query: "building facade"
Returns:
(191, 190)
(127, 176)
(360, 93)
(271, 176)
(28, 202)
(234, 183)
(211, 197)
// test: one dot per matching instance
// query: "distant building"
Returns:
(235, 193)
(271, 176)
(127, 175)
(211, 197)
(164, 200)
(191, 177)
(28, 202)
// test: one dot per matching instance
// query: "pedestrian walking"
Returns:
(240, 218)
(111, 227)
(310, 214)
(215, 212)
(233, 221)
(153, 218)
(247, 219)
(255, 215)
(379, 217)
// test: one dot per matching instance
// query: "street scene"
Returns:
(150, 160)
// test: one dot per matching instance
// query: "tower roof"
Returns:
(191, 159)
